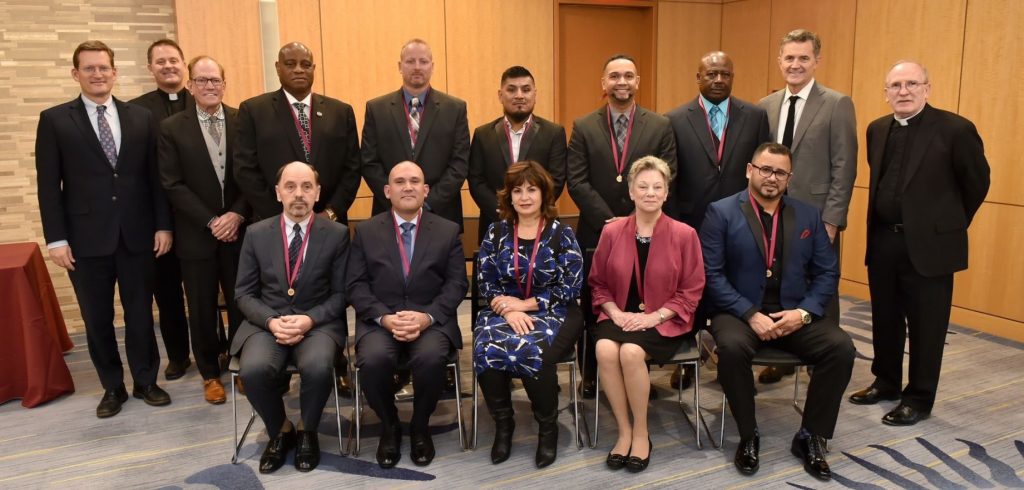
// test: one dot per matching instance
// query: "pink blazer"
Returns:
(673, 277)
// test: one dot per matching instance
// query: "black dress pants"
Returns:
(170, 302)
(902, 302)
(821, 343)
(204, 279)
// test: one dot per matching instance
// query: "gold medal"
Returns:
(291, 291)
(618, 178)
(642, 307)
(768, 273)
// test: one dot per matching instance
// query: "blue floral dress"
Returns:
(557, 279)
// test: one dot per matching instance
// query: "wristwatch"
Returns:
(805, 317)
(331, 214)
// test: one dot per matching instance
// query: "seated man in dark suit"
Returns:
(407, 279)
(771, 271)
(293, 300)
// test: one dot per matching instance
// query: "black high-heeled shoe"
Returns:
(618, 461)
(635, 464)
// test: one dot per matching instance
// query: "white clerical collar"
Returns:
(905, 121)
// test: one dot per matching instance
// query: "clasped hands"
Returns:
(290, 329)
(514, 311)
(632, 322)
(405, 326)
(225, 227)
(775, 325)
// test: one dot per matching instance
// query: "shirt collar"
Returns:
(616, 113)
(303, 225)
(292, 100)
(400, 220)
(204, 116)
(408, 97)
(803, 93)
(722, 106)
(508, 124)
(171, 96)
(91, 106)
(905, 121)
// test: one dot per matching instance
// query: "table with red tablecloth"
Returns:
(33, 337)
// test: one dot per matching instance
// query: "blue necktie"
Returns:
(106, 135)
(716, 121)
(407, 228)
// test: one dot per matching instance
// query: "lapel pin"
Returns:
(319, 114)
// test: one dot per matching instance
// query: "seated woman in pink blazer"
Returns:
(642, 311)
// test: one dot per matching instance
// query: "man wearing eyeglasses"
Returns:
(195, 169)
(819, 127)
(771, 273)
(929, 176)
(166, 63)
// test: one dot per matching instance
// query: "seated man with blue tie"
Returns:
(293, 300)
(407, 278)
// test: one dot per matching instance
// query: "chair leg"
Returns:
(234, 417)
(337, 411)
(597, 406)
(796, 391)
(476, 410)
(357, 415)
(721, 432)
(575, 405)
(458, 404)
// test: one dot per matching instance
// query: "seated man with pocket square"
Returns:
(291, 291)
(771, 271)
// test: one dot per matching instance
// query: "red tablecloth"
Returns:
(32, 329)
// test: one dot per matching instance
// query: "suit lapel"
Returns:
(527, 140)
(814, 102)
(277, 249)
(125, 118)
(733, 129)
(699, 123)
(773, 107)
(422, 241)
(427, 119)
(198, 143)
(638, 134)
(316, 123)
(81, 119)
(314, 249)
(920, 141)
(789, 227)
(229, 128)
(401, 122)
(754, 223)
(286, 119)
(499, 133)
(877, 152)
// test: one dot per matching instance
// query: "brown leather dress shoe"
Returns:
(239, 386)
(774, 374)
(213, 391)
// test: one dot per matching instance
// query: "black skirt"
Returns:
(651, 340)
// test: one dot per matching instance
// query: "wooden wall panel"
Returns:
(202, 29)
(831, 21)
(299, 21)
(992, 52)
(746, 38)
(993, 281)
(685, 32)
(854, 239)
(929, 31)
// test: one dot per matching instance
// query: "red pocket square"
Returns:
(804, 234)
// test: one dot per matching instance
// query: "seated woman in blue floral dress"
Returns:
(530, 269)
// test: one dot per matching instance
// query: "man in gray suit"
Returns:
(293, 300)
(421, 124)
(407, 279)
(819, 127)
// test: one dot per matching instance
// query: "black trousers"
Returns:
(204, 279)
(822, 344)
(902, 302)
(94, 279)
(262, 368)
(169, 300)
(378, 355)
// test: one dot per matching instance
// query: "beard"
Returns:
(518, 117)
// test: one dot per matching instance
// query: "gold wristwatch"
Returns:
(805, 317)
(331, 214)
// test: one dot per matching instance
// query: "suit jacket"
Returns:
(673, 277)
(824, 150)
(437, 275)
(700, 179)
(154, 101)
(82, 199)
(442, 149)
(266, 139)
(490, 157)
(945, 180)
(734, 258)
(591, 170)
(261, 288)
(191, 182)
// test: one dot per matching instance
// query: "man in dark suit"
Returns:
(421, 124)
(771, 271)
(166, 63)
(294, 124)
(819, 127)
(100, 196)
(715, 136)
(195, 169)
(406, 281)
(517, 136)
(929, 176)
(602, 149)
(293, 300)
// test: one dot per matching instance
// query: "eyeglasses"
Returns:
(768, 172)
(93, 69)
(910, 85)
(202, 81)
(712, 75)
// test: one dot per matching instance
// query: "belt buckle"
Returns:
(896, 228)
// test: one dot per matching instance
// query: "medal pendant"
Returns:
(618, 178)
(768, 273)
(291, 292)
(642, 307)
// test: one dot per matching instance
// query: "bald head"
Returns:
(406, 189)
(295, 69)
(714, 76)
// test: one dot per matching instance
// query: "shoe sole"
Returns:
(873, 402)
(748, 472)
(149, 402)
(898, 424)
(108, 415)
(219, 401)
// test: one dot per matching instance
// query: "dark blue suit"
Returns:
(734, 261)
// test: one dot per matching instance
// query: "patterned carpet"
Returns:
(974, 439)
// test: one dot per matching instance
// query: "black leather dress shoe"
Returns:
(111, 402)
(812, 451)
(635, 465)
(307, 450)
(152, 395)
(872, 395)
(774, 374)
(389, 449)
(904, 415)
(588, 388)
(422, 450)
(277, 451)
(682, 375)
(344, 386)
(748, 459)
(176, 369)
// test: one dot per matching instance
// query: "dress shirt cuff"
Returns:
(56, 244)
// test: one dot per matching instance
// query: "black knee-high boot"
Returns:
(543, 393)
(495, 386)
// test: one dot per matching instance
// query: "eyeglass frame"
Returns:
(780, 175)
(203, 81)
(910, 85)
